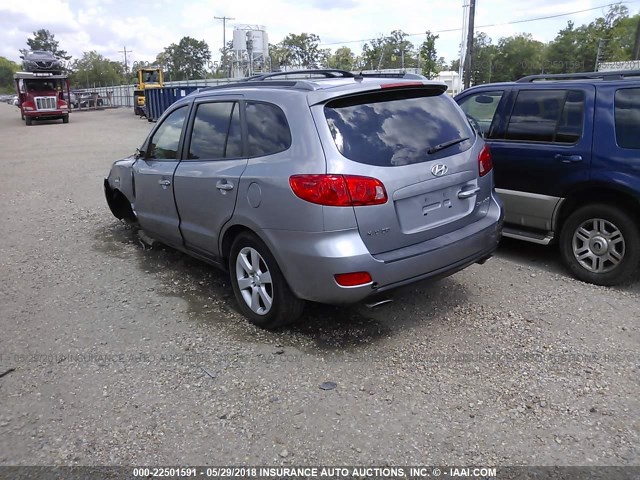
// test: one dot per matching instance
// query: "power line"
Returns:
(547, 17)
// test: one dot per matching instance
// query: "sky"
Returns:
(145, 28)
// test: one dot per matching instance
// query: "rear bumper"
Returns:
(309, 261)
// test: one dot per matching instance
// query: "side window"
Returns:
(572, 118)
(547, 116)
(482, 107)
(267, 129)
(211, 128)
(627, 117)
(165, 140)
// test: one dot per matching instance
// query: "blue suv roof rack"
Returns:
(619, 75)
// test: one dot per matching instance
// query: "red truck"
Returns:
(42, 96)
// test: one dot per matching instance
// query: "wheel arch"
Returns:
(589, 194)
(231, 232)
(118, 203)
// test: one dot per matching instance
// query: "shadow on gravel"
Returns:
(322, 328)
(547, 258)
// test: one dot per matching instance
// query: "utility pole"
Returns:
(636, 48)
(600, 53)
(468, 58)
(224, 41)
(125, 51)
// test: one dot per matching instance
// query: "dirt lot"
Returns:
(126, 355)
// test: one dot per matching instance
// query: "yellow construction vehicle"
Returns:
(148, 77)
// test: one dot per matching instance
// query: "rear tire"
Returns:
(600, 244)
(262, 292)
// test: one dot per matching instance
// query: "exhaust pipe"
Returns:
(378, 303)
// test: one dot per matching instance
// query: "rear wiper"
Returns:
(444, 145)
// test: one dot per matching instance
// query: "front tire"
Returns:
(261, 290)
(65, 119)
(600, 244)
(28, 121)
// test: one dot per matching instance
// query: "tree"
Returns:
(94, 69)
(301, 50)
(45, 40)
(392, 51)
(186, 60)
(280, 56)
(562, 54)
(7, 69)
(515, 57)
(343, 59)
(484, 54)
(429, 56)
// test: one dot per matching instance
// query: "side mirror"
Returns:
(140, 153)
(484, 99)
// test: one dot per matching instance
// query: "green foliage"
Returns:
(45, 40)
(343, 59)
(95, 70)
(392, 51)
(516, 57)
(574, 49)
(429, 56)
(186, 60)
(300, 50)
(7, 69)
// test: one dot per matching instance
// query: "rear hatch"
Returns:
(418, 143)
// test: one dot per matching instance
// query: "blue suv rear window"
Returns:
(627, 114)
(397, 127)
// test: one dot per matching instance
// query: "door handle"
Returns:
(164, 183)
(468, 193)
(568, 158)
(224, 185)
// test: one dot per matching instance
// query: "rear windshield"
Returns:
(398, 127)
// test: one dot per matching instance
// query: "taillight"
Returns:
(339, 190)
(484, 161)
(352, 279)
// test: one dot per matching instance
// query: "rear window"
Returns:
(398, 127)
(627, 116)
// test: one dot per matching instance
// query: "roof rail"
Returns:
(619, 75)
(327, 72)
(252, 82)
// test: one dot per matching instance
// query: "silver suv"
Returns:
(317, 185)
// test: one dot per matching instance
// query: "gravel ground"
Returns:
(126, 355)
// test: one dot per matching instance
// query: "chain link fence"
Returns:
(122, 95)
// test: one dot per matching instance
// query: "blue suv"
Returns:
(566, 151)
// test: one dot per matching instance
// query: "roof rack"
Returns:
(253, 82)
(619, 75)
(326, 72)
(335, 73)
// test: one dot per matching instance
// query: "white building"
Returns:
(452, 79)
